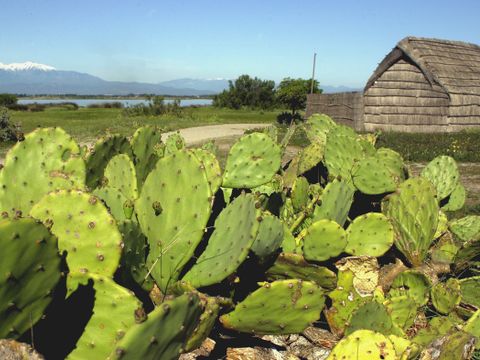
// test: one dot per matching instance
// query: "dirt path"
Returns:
(199, 134)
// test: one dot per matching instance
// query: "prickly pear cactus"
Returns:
(30, 269)
(144, 143)
(443, 173)
(294, 266)
(99, 156)
(120, 174)
(335, 202)
(402, 310)
(173, 210)
(322, 240)
(297, 304)
(369, 234)
(317, 127)
(472, 326)
(372, 316)
(47, 160)
(212, 168)
(115, 201)
(299, 193)
(469, 289)
(310, 156)
(467, 228)
(269, 236)
(174, 143)
(113, 314)
(211, 308)
(372, 176)
(363, 345)
(457, 198)
(413, 284)
(252, 161)
(235, 231)
(85, 230)
(413, 210)
(164, 333)
(445, 296)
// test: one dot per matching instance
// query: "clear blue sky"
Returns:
(154, 41)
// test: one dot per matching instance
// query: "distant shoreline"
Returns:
(109, 97)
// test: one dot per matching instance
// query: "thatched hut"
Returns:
(425, 85)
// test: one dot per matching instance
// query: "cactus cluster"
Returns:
(169, 248)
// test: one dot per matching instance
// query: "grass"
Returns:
(87, 124)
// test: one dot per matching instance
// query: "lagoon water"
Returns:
(125, 102)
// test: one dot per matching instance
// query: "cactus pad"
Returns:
(235, 231)
(113, 315)
(457, 198)
(469, 289)
(372, 316)
(310, 156)
(47, 160)
(144, 143)
(173, 210)
(85, 230)
(322, 240)
(164, 333)
(413, 211)
(101, 153)
(363, 345)
(413, 284)
(114, 200)
(212, 168)
(341, 152)
(294, 266)
(369, 234)
(252, 161)
(211, 308)
(445, 296)
(335, 202)
(174, 143)
(443, 173)
(372, 176)
(297, 304)
(402, 310)
(269, 236)
(467, 228)
(30, 269)
(299, 193)
(317, 127)
(120, 174)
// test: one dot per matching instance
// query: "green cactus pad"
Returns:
(173, 210)
(133, 261)
(120, 174)
(310, 156)
(437, 327)
(317, 127)
(372, 176)
(30, 269)
(164, 333)
(322, 240)
(404, 348)
(445, 250)
(446, 296)
(372, 316)
(402, 310)
(235, 231)
(457, 345)
(457, 198)
(85, 230)
(144, 143)
(443, 173)
(269, 236)
(114, 200)
(336, 200)
(341, 152)
(252, 161)
(211, 308)
(393, 161)
(101, 153)
(363, 345)
(174, 143)
(113, 315)
(299, 193)
(212, 168)
(472, 326)
(413, 211)
(469, 289)
(369, 234)
(466, 228)
(47, 160)
(442, 225)
(294, 266)
(297, 304)
(289, 243)
(413, 284)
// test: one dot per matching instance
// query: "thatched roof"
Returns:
(454, 65)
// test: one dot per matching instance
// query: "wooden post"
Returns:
(313, 72)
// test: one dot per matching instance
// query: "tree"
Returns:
(8, 100)
(293, 93)
(248, 92)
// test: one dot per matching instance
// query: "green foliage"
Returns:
(156, 106)
(8, 100)
(247, 92)
(293, 93)
(8, 131)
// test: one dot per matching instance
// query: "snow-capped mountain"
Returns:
(26, 66)
(31, 78)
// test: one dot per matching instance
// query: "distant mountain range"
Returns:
(32, 79)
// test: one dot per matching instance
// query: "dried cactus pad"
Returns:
(28, 274)
(252, 161)
(443, 173)
(85, 230)
(322, 240)
(164, 334)
(363, 345)
(297, 304)
(369, 234)
(47, 160)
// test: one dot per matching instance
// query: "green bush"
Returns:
(155, 107)
(8, 131)
(8, 100)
